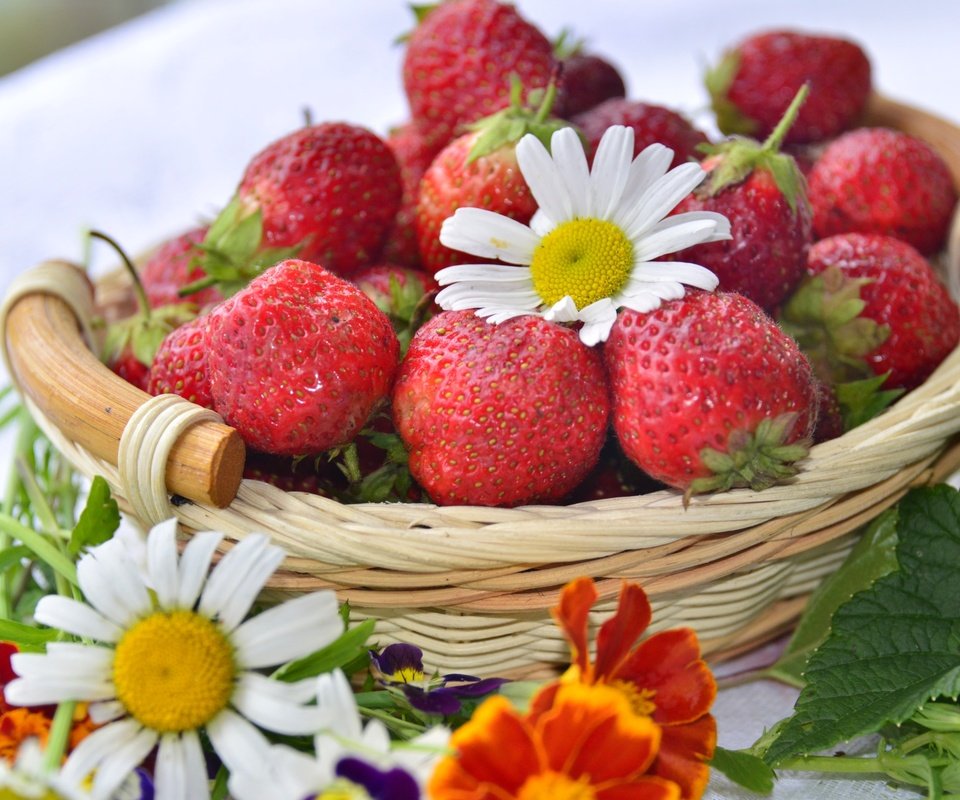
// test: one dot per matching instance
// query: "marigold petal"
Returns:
(684, 751)
(571, 614)
(669, 663)
(495, 729)
(618, 634)
(647, 788)
(592, 730)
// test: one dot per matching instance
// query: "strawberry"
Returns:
(414, 154)
(289, 473)
(500, 415)
(180, 364)
(331, 191)
(586, 78)
(479, 170)
(709, 393)
(754, 82)
(761, 191)
(173, 265)
(405, 295)
(460, 61)
(615, 475)
(876, 180)
(299, 359)
(872, 305)
(651, 123)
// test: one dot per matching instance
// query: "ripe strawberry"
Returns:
(876, 180)
(586, 78)
(172, 266)
(871, 305)
(650, 123)
(500, 415)
(299, 359)
(180, 365)
(461, 59)
(761, 191)
(615, 475)
(480, 170)
(332, 190)
(755, 81)
(414, 153)
(290, 474)
(404, 295)
(709, 393)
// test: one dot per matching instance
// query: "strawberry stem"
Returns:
(775, 139)
(141, 293)
(546, 105)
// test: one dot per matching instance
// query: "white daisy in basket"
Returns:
(27, 778)
(351, 759)
(592, 247)
(176, 658)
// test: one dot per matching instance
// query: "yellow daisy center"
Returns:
(641, 700)
(556, 786)
(174, 671)
(587, 259)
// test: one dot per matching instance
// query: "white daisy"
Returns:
(27, 778)
(592, 246)
(293, 775)
(177, 658)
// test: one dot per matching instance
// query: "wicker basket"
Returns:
(473, 586)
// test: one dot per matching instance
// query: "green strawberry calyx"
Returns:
(825, 317)
(864, 399)
(142, 332)
(509, 125)
(756, 460)
(738, 157)
(730, 120)
(231, 253)
(567, 45)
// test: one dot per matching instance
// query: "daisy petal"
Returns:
(722, 223)
(238, 743)
(487, 234)
(670, 238)
(236, 581)
(47, 691)
(540, 223)
(497, 315)
(122, 762)
(484, 273)
(571, 163)
(162, 562)
(672, 271)
(106, 711)
(647, 168)
(298, 692)
(111, 584)
(336, 697)
(265, 709)
(661, 198)
(544, 180)
(642, 301)
(290, 630)
(611, 169)
(598, 319)
(195, 565)
(77, 618)
(564, 310)
(195, 763)
(96, 748)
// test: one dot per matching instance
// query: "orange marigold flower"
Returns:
(16, 726)
(663, 676)
(587, 745)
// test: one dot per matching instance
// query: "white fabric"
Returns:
(146, 129)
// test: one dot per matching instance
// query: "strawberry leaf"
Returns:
(891, 647)
(744, 768)
(717, 81)
(863, 400)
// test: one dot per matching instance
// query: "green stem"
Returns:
(59, 735)
(392, 721)
(41, 547)
(851, 764)
(546, 105)
(137, 283)
(775, 139)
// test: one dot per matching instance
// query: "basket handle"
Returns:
(53, 366)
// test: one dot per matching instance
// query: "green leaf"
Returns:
(351, 644)
(744, 769)
(871, 558)
(99, 519)
(891, 647)
(26, 637)
(12, 556)
(863, 400)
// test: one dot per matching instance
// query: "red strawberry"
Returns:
(172, 266)
(586, 79)
(180, 365)
(650, 123)
(332, 190)
(404, 295)
(461, 59)
(290, 474)
(500, 415)
(709, 393)
(299, 359)
(414, 154)
(614, 476)
(872, 305)
(876, 180)
(761, 191)
(754, 82)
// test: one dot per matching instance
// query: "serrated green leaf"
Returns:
(893, 646)
(873, 556)
(26, 637)
(99, 519)
(345, 649)
(744, 769)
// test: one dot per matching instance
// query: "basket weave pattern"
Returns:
(472, 586)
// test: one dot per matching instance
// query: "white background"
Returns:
(145, 129)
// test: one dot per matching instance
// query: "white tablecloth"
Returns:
(146, 128)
